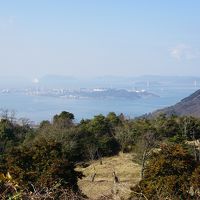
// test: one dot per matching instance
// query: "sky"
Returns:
(89, 38)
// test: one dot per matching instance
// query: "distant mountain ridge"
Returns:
(141, 82)
(189, 106)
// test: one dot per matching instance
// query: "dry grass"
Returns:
(126, 170)
(195, 143)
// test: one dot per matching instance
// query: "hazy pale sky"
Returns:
(99, 37)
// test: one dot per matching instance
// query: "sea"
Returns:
(38, 108)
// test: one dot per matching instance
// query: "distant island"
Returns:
(84, 93)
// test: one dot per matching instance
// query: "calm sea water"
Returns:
(38, 108)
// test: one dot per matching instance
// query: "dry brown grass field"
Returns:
(126, 170)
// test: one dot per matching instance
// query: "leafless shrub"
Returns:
(10, 192)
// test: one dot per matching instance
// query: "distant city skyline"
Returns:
(98, 38)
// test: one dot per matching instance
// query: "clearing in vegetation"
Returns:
(105, 183)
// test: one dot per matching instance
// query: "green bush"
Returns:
(43, 164)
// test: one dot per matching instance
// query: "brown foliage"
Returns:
(168, 174)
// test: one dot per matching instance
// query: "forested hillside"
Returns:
(41, 162)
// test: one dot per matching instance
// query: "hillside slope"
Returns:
(189, 106)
